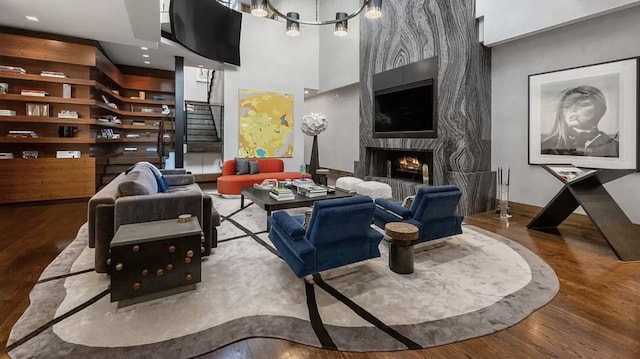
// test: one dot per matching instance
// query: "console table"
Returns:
(588, 191)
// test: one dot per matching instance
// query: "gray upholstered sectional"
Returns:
(133, 197)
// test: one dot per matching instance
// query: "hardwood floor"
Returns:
(596, 314)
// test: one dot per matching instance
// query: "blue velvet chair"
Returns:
(339, 233)
(432, 211)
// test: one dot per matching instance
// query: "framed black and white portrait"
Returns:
(586, 116)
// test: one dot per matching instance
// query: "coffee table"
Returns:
(261, 198)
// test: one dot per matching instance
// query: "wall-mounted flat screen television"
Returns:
(207, 28)
(407, 110)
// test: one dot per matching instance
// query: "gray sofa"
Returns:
(133, 197)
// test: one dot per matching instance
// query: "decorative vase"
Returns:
(314, 163)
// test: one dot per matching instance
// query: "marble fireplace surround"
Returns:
(412, 31)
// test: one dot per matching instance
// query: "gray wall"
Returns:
(413, 30)
(610, 37)
(338, 144)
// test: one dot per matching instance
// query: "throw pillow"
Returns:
(162, 183)
(242, 166)
(254, 167)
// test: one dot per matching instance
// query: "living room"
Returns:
(487, 83)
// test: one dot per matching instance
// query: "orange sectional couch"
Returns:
(230, 183)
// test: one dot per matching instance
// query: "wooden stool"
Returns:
(401, 251)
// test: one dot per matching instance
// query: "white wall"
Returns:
(610, 37)
(270, 60)
(506, 20)
(338, 145)
(193, 90)
(339, 56)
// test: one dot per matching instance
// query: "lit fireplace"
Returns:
(402, 164)
(408, 164)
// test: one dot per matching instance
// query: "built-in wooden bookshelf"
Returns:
(92, 78)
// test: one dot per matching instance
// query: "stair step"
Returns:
(205, 146)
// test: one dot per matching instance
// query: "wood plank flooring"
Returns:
(596, 314)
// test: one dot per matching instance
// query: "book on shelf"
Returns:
(53, 74)
(67, 114)
(151, 149)
(138, 123)
(12, 69)
(133, 135)
(22, 134)
(6, 155)
(7, 113)
(39, 93)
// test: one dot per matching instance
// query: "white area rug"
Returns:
(475, 284)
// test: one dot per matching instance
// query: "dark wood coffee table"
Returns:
(261, 198)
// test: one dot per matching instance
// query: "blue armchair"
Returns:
(432, 211)
(339, 233)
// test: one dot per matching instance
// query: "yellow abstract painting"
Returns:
(265, 128)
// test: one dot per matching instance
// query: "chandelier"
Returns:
(373, 11)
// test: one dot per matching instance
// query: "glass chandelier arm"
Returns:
(317, 22)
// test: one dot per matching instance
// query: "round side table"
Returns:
(401, 251)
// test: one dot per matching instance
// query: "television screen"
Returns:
(405, 111)
(207, 28)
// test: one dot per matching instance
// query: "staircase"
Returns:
(202, 135)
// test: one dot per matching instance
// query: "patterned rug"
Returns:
(474, 284)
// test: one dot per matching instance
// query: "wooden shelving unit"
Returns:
(91, 76)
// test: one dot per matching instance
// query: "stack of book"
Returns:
(22, 134)
(67, 114)
(6, 155)
(281, 194)
(12, 69)
(39, 93)
(7, 113)
(312, 190)
(53, 74)
(303, 182)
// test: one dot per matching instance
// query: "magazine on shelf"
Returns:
(570, 172)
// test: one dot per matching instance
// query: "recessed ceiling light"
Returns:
(144, 48)
(145, 55)
(200, 66)
(147, 62)
(306, 91)
(32, 18)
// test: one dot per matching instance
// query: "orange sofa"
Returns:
(230, 183)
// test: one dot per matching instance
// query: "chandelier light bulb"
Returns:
(374, 9)
(259, 8)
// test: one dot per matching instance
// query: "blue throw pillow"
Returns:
(162, 183)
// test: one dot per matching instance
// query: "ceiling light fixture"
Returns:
(373, 11)
(145, 55)
(144, 48)
(259, 8)
(342, 26)
(200, 66)
(32, 18)
(293, 27)
(147, 62)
